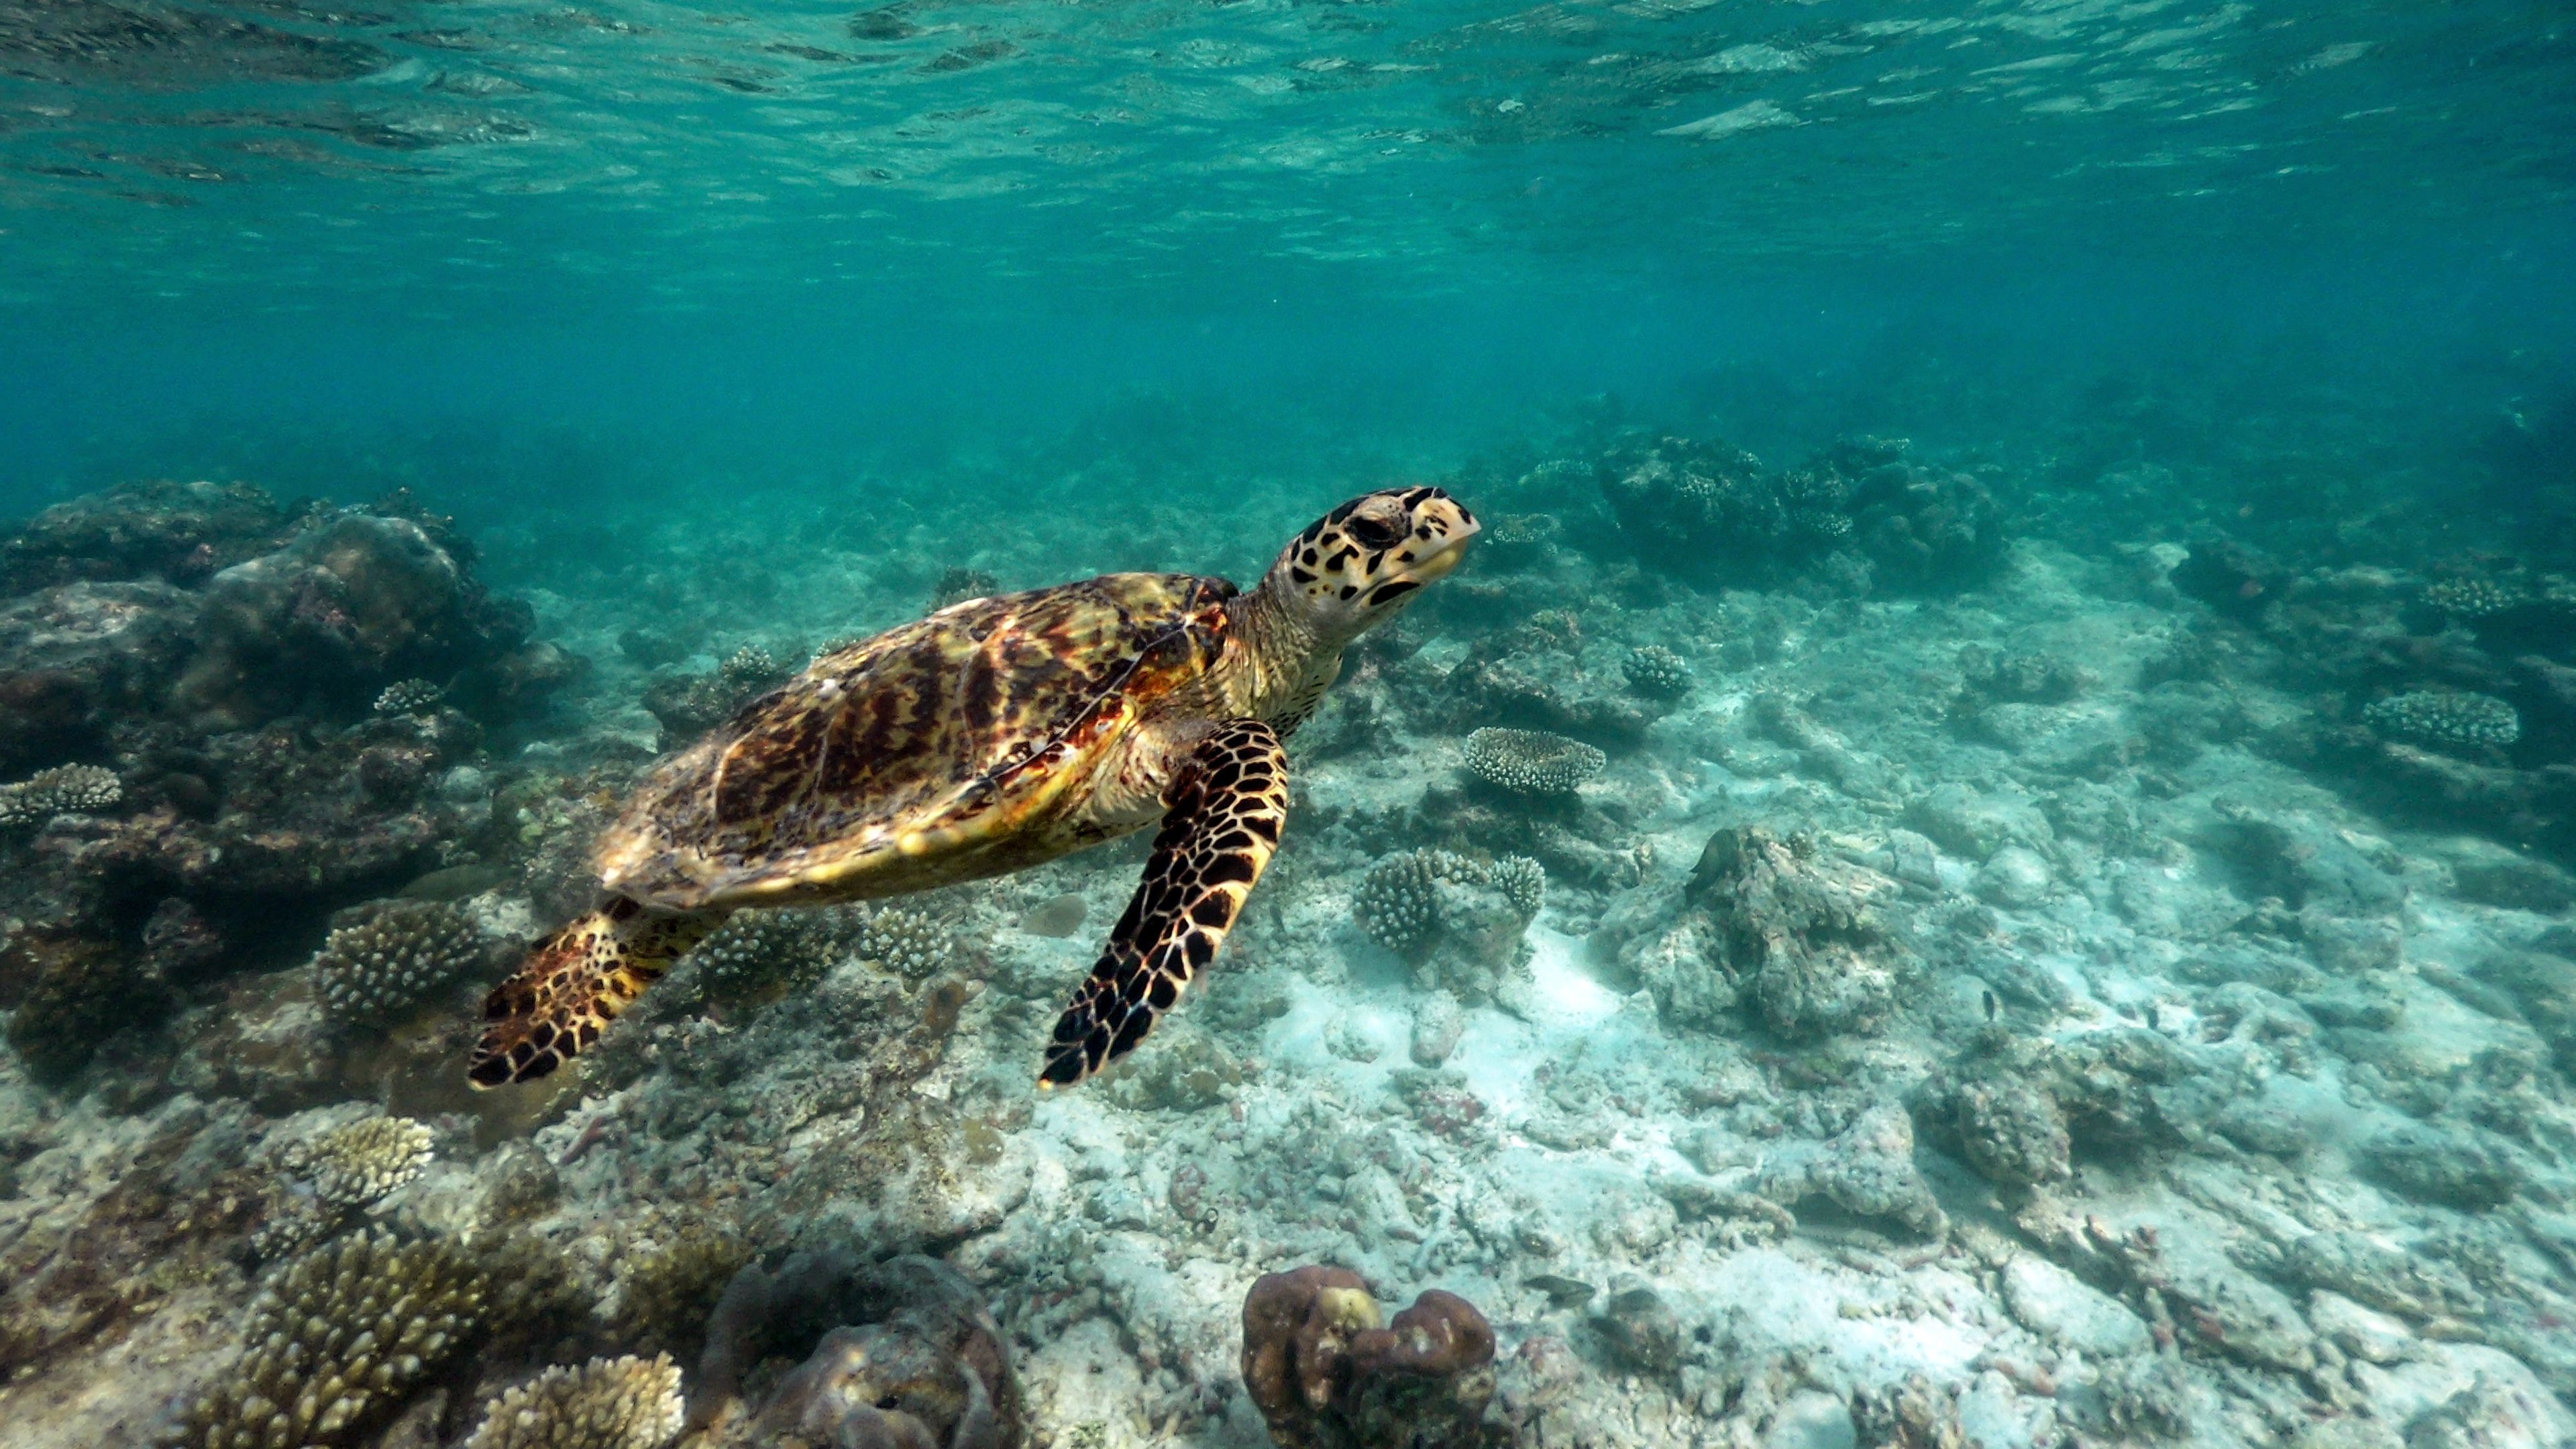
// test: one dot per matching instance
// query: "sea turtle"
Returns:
(991, 736)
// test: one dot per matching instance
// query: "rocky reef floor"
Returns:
(1988, 986)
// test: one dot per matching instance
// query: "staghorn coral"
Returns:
(1328, 1371)
(371, 972)
(2446, 717)
(410, 696)
(607, 1403)
(63, 790)
(337, 1340)
(1656, 672)
(354, 1165)
(1531, 762)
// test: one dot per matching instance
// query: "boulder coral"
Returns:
(1328, 1371)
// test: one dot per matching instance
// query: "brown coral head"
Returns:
(1294, 1327)
(1441, 1334)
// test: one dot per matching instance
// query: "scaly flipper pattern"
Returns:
(574, 984)
(1221, 819)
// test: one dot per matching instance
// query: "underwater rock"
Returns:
(354, 604)
(689, 705)
(2451, 1165)
(1914, 1414)
(607, 1403)
(1867, 1170)
(2230, 578)
(2015, 878)
(1327, 1371)
(2015, 1104)
(1642, 1331)
(70, 992)
(1508, 683)
(905, 1356)
(1968, 823)
(1798, 932)
(82, 663)
(1437, 1026)
(1925, 529)
(1713, 512)
(177, 533)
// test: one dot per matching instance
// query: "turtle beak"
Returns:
(1462, 530)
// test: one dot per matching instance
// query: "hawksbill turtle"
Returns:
(991, 736)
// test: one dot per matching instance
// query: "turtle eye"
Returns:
(1374, 532)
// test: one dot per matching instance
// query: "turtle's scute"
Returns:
(963, 731)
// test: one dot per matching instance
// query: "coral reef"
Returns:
(354, 1165)
(907, 1355)
(2446, 717)
(1656, 672)
(689, 705)
(63, 790)
(1531, 762)
(410, 696)
(337, 1340)
(397, 957)
(607, 1403)
(1714, 510)
(1457, 920)
(1776, 923)
(757, 951)
(1328, 1371)
(905, 940)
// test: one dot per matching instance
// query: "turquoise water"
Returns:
(1981, 849)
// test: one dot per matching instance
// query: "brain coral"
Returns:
(607, 1403)
(371, 972)
(1531, 762)
(337, 1340)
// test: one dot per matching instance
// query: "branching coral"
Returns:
(2472, 598)
(1531, 762)
(373, 971)
(354, 1165)
(904, 940)
(1399, 901)
(337, 1340)
(758, 949)
(1328, 1371)
(1707, 505)
(63, 790)
(607, 1403)
(2445, 717)
(1656, 672)
(410, 696)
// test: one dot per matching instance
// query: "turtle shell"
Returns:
(943, 750)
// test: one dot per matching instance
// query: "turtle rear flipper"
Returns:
(574, 984)
(1221, 822)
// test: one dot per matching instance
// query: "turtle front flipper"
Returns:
(1221, 820)
(574, 984)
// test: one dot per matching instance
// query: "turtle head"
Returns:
(1359, 565)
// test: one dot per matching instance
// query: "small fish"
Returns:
(1562, 1292)
(1990, 1008)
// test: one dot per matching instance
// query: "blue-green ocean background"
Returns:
(639, 272)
